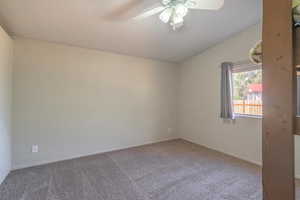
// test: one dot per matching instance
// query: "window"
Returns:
(247, 91)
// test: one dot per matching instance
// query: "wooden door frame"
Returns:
(279, 101)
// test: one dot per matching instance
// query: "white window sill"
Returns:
(237, 116)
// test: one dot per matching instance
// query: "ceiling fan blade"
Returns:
(205, 4)
(122, 12)
(150, 12)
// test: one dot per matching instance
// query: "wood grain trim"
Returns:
(297, 121)
(279, 102)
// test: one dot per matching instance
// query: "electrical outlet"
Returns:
(35, 148)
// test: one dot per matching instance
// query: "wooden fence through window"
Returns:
(247, 107)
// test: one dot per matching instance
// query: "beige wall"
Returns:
(200, 102)
(73, 102)
(6, 51)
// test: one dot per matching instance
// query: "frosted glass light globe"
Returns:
(166, 15)
(181, 10)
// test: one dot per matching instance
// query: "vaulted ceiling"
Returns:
(86, 23)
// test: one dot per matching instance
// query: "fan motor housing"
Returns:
(173, 2)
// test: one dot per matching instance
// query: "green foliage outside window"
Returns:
(241, 81)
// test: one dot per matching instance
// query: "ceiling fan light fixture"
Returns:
(177, 20)
(166, 2)
(181, 10)
(177, 23)
(190, 3)
(172, 12)
(165, 16)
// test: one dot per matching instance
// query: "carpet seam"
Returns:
(131, 180)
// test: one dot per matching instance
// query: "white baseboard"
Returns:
(227, 153)
(38, 163)
(258, 163)
(130, 146)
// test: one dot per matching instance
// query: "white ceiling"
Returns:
(85, 23)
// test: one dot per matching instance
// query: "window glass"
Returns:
(247, 92)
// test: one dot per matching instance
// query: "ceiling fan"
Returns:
(174, 11)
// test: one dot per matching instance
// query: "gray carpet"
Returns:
(174, 170)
